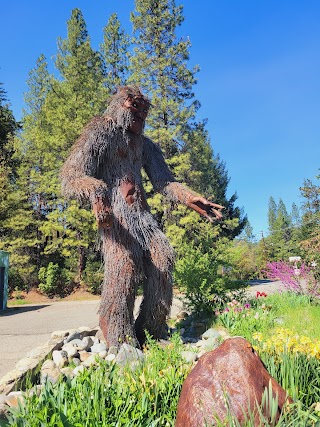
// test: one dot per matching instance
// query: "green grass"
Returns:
(18, 302)
(298, 313)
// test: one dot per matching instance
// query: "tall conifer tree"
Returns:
(115, 53)
(24, 240)
(160, 66)
(272, 214)
(8, 164)
(57, 110)
(74, 99)
(310, 227)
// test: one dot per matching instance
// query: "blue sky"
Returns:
(259, 84)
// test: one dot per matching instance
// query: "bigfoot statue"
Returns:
(105, 167)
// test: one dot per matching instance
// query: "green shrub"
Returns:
(197, 274)
(54, 280)
(15, 281)
(93, 277)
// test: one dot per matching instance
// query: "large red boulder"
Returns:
(230, 376)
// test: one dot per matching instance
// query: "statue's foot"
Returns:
(156, 332)
(116, 335)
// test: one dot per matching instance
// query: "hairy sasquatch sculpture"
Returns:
(105, 167)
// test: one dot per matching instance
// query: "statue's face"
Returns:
(139, 108)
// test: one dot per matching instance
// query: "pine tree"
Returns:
(8, 127)
(17, 229)
(115, 54)
(280, 240)
(295, 215)
(8, 163)
(160, 66)
(57, 110)
(310, 227)
(247, 233)
(272, 214)
(71, 103)
(22, 236)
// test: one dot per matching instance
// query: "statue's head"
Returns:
(129, 109)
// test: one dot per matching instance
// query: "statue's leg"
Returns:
(157, 289)
(118, 294)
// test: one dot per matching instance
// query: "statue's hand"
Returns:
(205, 208)
(102, 212)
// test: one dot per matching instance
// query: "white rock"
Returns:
(78, 369)
(210, 344)
(76, 361)
(70, 349)
(103, 354)
(9, 378)
(39, 352)
(50, 371)
(211, 333)
(98, 347)
(14, 398)
(77, 343)
(59, 334)
(92, 360)
(189, 356)
(84, 330)
(128, 354)
(68, 372)
(113, 350)
(26, 364)
(110, 357)
(60, 358)
(87, 342)
(73, 334)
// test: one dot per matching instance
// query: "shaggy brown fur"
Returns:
(105, 167)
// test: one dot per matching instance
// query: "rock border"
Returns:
(29, 366)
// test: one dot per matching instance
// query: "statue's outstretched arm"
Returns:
(163, 181)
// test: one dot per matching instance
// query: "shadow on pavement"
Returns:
(17, 310)
(259, 282)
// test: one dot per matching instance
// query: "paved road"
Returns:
(25, 327)
(266, 286)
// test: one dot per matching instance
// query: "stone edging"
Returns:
(29, 366)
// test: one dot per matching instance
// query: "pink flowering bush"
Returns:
(298, 280)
